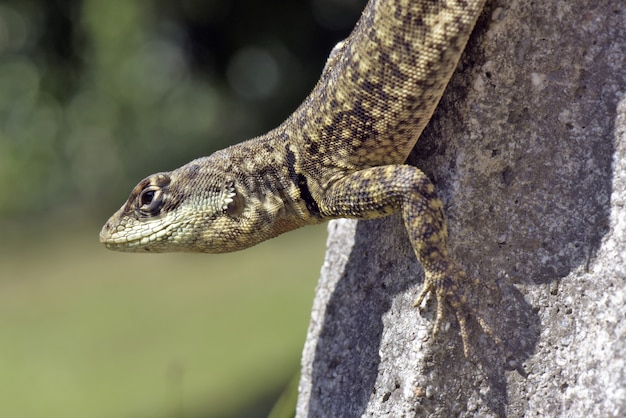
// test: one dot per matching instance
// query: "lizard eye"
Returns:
(146, 197)
(150, 200)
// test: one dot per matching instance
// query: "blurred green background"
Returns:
(94, 96)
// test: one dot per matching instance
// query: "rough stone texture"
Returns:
(528, 152)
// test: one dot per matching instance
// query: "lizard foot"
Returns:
(448, 285)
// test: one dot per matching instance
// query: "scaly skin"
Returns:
(341, 154)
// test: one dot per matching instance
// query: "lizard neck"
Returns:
(269, 193)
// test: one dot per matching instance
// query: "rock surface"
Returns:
(528, 152)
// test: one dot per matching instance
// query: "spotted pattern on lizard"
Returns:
(341, 154)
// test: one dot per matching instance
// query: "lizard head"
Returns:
(191, 209)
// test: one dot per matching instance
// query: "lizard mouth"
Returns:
(136, 242)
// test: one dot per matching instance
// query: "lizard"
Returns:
(341, 154)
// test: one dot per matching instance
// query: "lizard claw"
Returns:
(448, 288)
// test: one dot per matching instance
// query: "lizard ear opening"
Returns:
(233, 203)
(235, 207)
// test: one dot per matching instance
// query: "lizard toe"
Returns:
(450, 286)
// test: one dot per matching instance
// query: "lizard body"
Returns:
(340, 154)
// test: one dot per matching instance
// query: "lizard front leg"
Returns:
(380, 191)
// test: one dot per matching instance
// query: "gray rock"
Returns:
(528, 152)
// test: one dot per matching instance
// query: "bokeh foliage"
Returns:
(96, 94)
